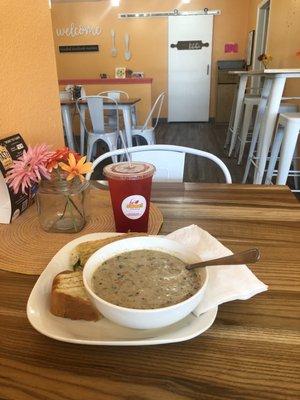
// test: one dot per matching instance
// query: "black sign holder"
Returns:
(79, 48)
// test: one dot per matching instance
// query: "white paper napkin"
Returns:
(226, 283)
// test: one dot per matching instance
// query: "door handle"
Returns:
(207, 69)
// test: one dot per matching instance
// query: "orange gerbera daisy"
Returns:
(76, 168)
(59, 156)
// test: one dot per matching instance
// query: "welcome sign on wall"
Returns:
(74, 30)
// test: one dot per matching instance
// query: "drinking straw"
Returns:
(128, 156)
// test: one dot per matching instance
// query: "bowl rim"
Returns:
(141, 310)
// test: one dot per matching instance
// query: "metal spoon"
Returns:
(249, 256)
(113, 50)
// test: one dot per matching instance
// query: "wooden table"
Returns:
(250, 352)
(125, 105)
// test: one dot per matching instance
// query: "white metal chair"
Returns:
(168, 160)
(100, 132)
(118, 95)
(286, 137)
(114, 94)
(148, 132)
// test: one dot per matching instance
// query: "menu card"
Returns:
(11, 204)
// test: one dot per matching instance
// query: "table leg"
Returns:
(67, 121)
(238, 111)
(82, 108)
(133, 115)
(268, 125)
(127, 122)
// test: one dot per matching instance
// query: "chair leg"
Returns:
(287, 151)
(235, 134)
(137, 140)
(150, 138)
(230, 125)
(250, 155)
(112, 142)
(90, 146)
(296, 178)
(82, 130)
(245, 130)
(238, 111)
(228, 137)
(274, 154)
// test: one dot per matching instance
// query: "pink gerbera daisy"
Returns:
(30, 168)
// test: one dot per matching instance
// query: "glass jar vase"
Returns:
(61, 205)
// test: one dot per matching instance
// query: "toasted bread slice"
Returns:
(69, 298)
(84, 250)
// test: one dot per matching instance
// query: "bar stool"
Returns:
(286, 136)
(249, 103)
(235, 126)
(236, 111)
(252, 157)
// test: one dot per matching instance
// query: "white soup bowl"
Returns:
(143, 318)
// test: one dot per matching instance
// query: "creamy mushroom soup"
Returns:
(145, 279)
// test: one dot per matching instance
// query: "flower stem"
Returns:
(71, 212)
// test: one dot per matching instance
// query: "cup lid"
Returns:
(129, 171)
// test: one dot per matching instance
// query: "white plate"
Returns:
(102, 332)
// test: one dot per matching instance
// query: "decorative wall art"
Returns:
(74, 30)
(137, 74)
(113, 49)
(231, 48)
(189, 45)
(250, 46)
(120, 73)
(127, 53)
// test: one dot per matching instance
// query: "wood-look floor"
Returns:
(203, 136)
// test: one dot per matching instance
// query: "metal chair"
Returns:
(148, 132)
(100, 132)
(118, 95)
(168, 160)
(114, 94)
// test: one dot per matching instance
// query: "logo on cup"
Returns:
(133, 207)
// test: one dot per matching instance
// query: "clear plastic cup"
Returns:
(130, 191)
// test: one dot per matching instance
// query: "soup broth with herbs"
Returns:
(145, 279)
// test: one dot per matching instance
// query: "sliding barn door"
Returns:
(190, 47)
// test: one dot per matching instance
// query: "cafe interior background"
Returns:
(34, 67)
